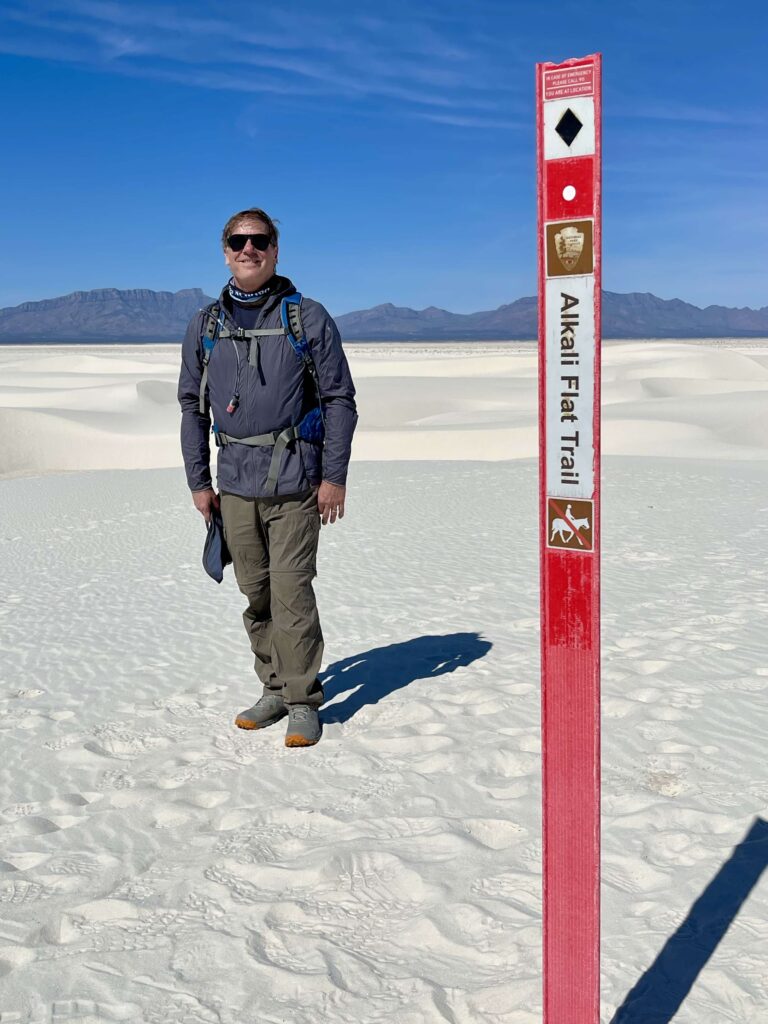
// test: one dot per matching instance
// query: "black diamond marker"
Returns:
(568, 127)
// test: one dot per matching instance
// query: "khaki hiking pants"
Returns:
(273, 543)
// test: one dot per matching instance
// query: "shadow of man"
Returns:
(660, 992)
(377, 673)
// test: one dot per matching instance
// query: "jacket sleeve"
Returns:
(338, 396)
(195, 427)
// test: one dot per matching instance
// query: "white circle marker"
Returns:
(569, 193)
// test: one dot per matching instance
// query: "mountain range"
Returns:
(142, 315)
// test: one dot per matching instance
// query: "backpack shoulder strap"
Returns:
(210, 336)
(290, 314)
(212, 323)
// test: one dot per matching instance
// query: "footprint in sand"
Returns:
(124, 745)
(170, 816)
(633, 876)
(267, 947)
(11, 958)
(494, 833)
(646, 695)
(21, 891)
(20, 810)
(616, 707)
(667, 714)
(61, 744)
(648, 667)
(113, 778)
(520, 892)
(665, 783)
(405, 746)
(85, 1011)
(81, 865)
(39, 818)
(38, 826)
(748, 685)
(178, 774)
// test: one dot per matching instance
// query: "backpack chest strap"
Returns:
(218, 328)
(240, 333)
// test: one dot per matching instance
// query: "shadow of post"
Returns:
(660, 992)
(381, 671)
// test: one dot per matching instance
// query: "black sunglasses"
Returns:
(237, 242)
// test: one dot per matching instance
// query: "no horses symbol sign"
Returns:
(570, 527)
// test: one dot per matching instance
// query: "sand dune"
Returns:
(115, 407)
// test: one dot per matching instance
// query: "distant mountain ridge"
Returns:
(141, 315)
(104, 314)
(630, 315)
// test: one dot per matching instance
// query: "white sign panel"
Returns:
(570, 356)
(582, 143)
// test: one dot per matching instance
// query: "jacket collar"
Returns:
(281, 286)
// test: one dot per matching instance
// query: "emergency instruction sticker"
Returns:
(563, 82)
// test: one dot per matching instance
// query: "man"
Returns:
(283, 416)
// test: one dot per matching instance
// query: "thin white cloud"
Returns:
(356, 59)
(462, 121)
(689, 112)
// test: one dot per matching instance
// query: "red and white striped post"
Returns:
(568, 119)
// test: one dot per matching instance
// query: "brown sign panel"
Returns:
(570, 248)
(570, 523)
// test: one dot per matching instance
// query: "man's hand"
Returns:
(330, 501)
(205, 502)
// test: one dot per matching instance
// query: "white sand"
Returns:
(101, 407)
(158, 865)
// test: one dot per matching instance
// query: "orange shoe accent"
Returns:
(299, 741)
(244, 723)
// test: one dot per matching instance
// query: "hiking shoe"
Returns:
(270, 708)
(304, 728)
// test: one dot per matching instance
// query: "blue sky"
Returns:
(394, 143)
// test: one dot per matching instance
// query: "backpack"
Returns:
(312, 427)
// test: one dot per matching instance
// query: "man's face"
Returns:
(250, 267)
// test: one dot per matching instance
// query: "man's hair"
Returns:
(253, 214)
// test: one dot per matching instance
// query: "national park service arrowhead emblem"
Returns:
(569, 248)
(569, 244)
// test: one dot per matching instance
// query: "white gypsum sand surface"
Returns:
(156, 864)
(71, 408)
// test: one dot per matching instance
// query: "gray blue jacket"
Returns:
(275, 391)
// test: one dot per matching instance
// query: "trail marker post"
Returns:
(568, 116)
